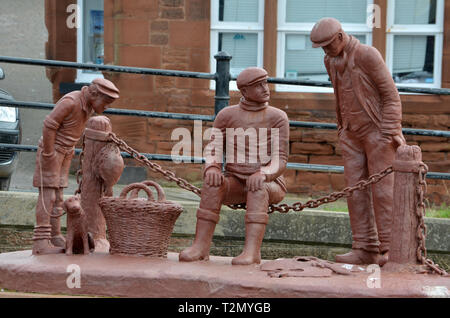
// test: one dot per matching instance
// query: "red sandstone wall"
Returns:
(61, 44)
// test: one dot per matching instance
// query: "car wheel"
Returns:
(4, 184)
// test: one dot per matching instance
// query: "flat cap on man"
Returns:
(106, 87)
(250, 76)
(325, 31)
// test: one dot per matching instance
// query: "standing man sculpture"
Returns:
(248, 130)
(62, 129)
(369, 114)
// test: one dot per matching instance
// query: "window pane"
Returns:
(243, 47)
(93, 51)
(302, 61)
(346, 11)
(415, 12)
(238, 10)
(413, 58)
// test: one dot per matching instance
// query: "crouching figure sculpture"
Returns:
(256, 137)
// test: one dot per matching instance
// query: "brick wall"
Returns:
(61, 44)
(174, 34)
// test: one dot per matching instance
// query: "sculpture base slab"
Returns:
(128, 276)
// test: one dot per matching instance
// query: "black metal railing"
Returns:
(222, 79)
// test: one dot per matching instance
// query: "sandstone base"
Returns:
(128, 276)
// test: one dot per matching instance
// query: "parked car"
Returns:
(10, 133)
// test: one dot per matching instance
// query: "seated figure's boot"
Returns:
(206, 224)
(41, 242)
(359, 257)
(255, 227)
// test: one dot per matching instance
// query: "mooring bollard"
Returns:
(405, 222)
(101, 168)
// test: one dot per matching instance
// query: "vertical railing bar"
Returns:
(223, 77)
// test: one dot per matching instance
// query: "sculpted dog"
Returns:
(78, 240)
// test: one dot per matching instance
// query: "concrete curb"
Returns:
(308, 227)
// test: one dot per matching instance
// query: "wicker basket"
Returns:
(139, 226)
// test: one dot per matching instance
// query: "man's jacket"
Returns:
(372, 85)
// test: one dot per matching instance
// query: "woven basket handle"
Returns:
(159, 189)
(135, 187)
(149, 183)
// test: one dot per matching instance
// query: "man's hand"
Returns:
(255, 181)
(214, 177)
(399, 140)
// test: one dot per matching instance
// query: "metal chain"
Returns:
(347, 192)
(80, 167)
(298, 206)
(421, 189)
(282, 208)
(168, 175)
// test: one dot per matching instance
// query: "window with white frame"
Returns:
(414, 42)
(90, 48)
(296, 58)
(237, 27)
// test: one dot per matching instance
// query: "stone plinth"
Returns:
(128, 276)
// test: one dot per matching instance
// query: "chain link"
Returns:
(80, 168)
(421, 189)
(168, 175)
(282, 208)
(347, 192)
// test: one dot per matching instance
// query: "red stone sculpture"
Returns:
(102, 167)
(62, 129)
(405, 223)
(248, 177)
(369, 114)
(78, 239)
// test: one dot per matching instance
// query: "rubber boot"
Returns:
(255, 227)
(359, 257)
(41, 242)
(206, 224)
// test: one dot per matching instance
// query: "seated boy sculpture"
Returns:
(254, 137)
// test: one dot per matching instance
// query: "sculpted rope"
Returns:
(79, 171)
